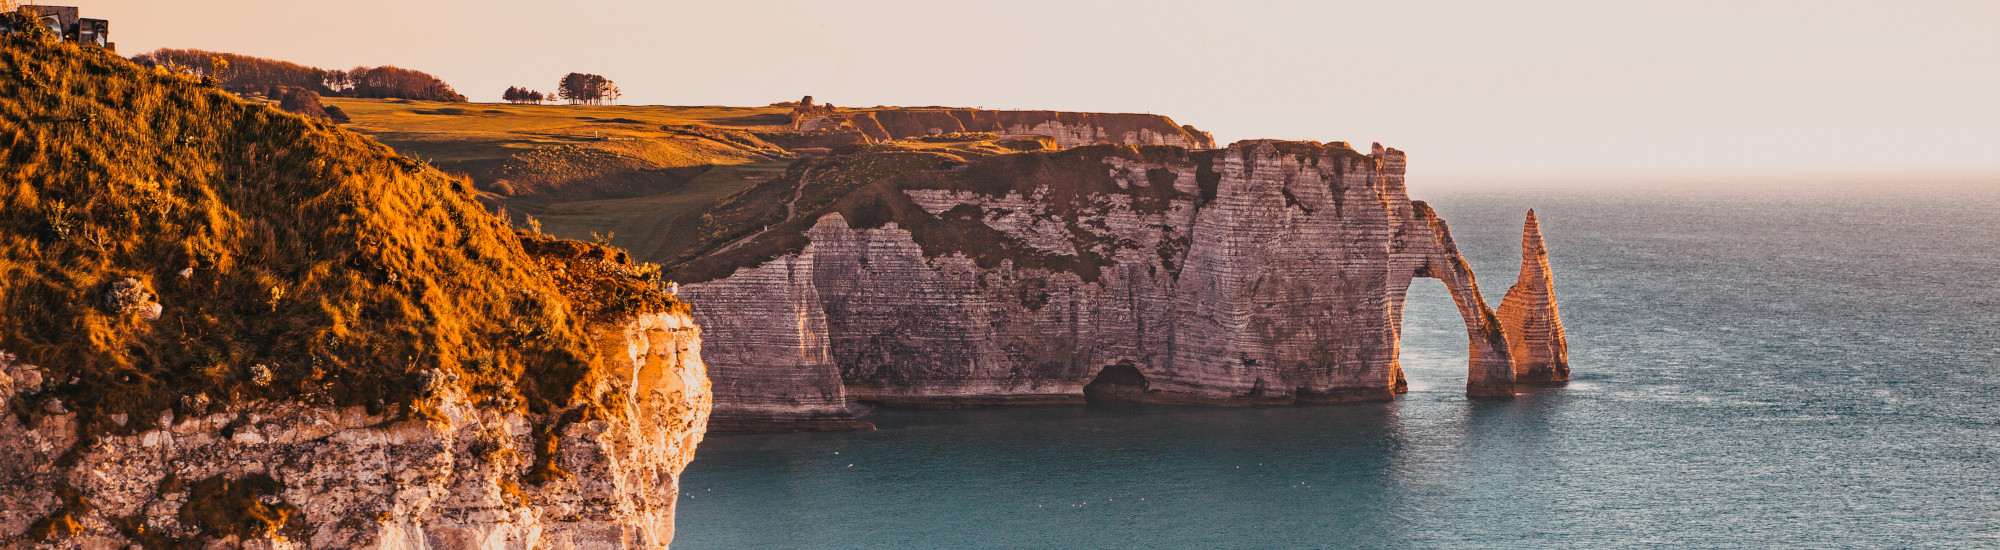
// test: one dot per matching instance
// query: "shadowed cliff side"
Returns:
(222, 324)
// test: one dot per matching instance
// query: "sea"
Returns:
(1798, 367)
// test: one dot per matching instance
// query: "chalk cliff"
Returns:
(284, 475)
(223, 325)
(1530, 317)
(1069, 129)
(1267, 272)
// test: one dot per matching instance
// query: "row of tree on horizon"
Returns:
(250, 74)
(257, 75)
(576, 88)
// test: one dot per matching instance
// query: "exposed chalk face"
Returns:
(777, 322)
(1530, 316)
(1266, 272)
(342, 478)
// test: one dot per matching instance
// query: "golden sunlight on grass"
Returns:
(168, 246)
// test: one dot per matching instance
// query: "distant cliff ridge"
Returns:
(225, 325)
(1267, 272)
(1068, 128)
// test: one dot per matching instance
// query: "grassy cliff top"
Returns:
(645, 175)
(168, 246)
(868, 188)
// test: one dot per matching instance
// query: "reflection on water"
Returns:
(1750, 371)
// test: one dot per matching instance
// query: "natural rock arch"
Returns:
(1432, 253)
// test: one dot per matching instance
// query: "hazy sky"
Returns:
(1508, 91)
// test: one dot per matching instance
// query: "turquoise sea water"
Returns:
(1813, 370)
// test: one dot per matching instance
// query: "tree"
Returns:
(609, 91)
(250, 74)
(518, 94)
(239, 73)
(587, 89)
(536, 97)
(397, 82)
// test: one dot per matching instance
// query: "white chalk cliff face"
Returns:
(1268, 272)
(282, 475)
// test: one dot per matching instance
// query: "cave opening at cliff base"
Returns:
(1116, 384)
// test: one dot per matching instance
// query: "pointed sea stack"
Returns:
(1530, 317)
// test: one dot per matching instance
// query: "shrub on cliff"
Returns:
(304, 102)
(289, 259)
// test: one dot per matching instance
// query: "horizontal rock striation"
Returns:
(1069, 129)
(796, 386)
(288, 474)
(1269, 272)
(1530, 317)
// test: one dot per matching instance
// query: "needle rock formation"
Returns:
(1530, 318)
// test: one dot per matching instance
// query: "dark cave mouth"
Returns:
(1120, 383)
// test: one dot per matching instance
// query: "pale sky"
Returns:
(1587, 91)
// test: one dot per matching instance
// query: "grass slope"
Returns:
(644, 174)
(867, 188)
(294, 260)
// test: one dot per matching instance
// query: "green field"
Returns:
(643, 174)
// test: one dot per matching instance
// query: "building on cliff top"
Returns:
(67, 22)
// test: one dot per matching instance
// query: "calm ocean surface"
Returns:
(1813, 369)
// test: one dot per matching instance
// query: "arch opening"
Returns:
(1432, 350)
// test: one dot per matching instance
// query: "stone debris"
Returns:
(130, 297)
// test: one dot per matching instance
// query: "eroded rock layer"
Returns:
(797, 387)
(1069, 129)
(287, 474)
(1530, 317)
(1268, 272)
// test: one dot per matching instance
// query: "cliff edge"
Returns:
(222, 324)
(1068, 129)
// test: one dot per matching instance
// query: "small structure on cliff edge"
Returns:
(806, 109)
(67, 23)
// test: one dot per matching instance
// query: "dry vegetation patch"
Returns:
(290, 259)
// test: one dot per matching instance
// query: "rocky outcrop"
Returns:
(796, 386)
(286, 335)
(278, 475)
(1530, 317)
(1268, 272)
(1069, 129)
